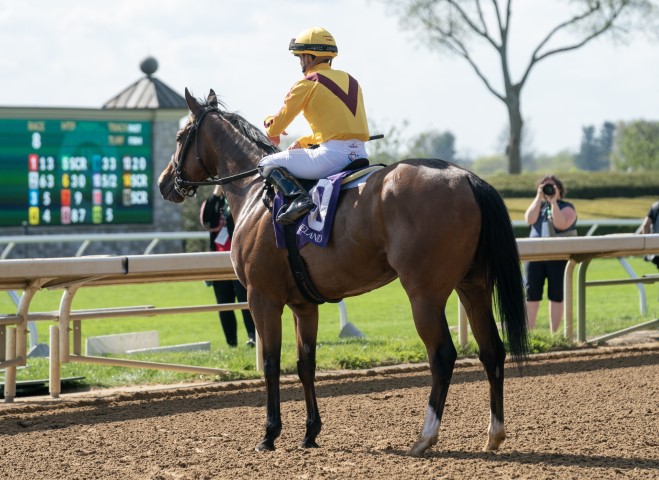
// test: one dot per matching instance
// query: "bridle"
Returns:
(187, 188)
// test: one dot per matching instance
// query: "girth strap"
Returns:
(299, 270)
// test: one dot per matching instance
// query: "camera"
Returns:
(548, 190)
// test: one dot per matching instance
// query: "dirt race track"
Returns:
(591, 414)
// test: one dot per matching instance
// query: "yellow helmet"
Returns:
(314, 41)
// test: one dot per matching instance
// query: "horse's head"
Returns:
(225, 143)
(192, 159)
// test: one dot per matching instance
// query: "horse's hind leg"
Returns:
(477, 301)
(306, 327)
(430, 322)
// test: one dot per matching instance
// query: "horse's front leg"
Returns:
(306, 327)
(270, 336)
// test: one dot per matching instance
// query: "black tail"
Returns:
(499, 248)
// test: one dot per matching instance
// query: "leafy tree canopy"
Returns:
(637, 146)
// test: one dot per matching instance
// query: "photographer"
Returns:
(549, 216)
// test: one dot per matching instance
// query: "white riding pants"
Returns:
(313, 163)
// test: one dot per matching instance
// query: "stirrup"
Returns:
(288, 215)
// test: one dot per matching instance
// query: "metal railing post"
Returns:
(55, 377)
(463, 325)
(10, 371)
(581, 301)
(568, 300)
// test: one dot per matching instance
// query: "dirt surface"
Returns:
(583, 414)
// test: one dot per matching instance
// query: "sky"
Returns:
(69, 53)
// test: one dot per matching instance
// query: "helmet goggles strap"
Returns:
(313, 47)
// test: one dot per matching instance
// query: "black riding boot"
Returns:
(299, 200)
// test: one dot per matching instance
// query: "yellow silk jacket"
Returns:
(332, 103)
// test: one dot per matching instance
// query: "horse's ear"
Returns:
(212, 98)
(192, 102)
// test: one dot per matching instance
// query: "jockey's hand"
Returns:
(277, 140)
(294, 145)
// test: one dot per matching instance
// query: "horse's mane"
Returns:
(248, 130)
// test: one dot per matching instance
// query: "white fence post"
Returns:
(463, 325)
(55, 378)
(10, 371)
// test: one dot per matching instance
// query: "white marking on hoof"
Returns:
(428, 436)
(496, 434)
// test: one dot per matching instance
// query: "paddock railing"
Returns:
(154, 238)
(85, 240)
(72, 274)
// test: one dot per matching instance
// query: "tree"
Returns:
(453, 25)
(489, 164)
(637, 146)
(589, 151)
(562, 161)
(433, 144)
(595, 151)
(528, 155)
(606, 140)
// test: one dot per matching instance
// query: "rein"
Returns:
(187, 188)
(221, 180)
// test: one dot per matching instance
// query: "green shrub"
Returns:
(587, 185)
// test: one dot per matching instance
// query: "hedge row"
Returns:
(586, 185)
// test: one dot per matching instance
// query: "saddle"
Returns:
(359, 169)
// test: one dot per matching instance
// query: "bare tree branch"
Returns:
(594, 8)
(481, 16)
(591, 11)
(596, 33)
(508, 12)
(470, 23)
(498, 14)
(457, 46)
(461, 50)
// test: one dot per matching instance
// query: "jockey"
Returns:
(332, 102)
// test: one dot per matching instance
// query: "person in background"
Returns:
(215, 216)
(651, 225)
(651, 221)
(549, 216)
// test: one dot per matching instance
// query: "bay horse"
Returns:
(435, 226)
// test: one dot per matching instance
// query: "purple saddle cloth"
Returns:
(316, 226)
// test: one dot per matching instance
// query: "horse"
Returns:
(435, 226)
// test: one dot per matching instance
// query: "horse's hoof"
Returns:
(265, 446)
(493, 443)
(308, 444)
(490, 446)
(417, 451)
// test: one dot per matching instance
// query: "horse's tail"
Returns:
(498, 247)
